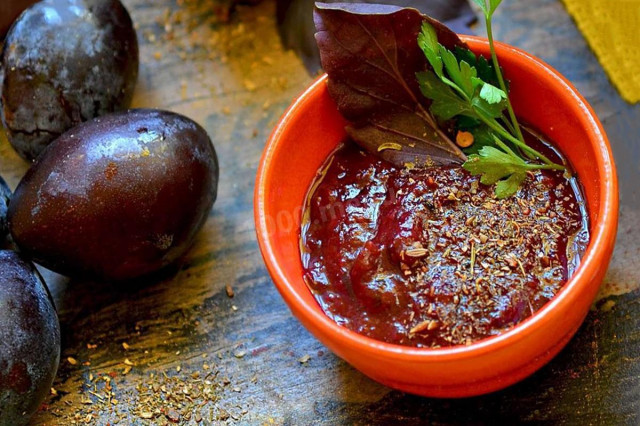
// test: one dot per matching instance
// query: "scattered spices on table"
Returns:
(159, 397)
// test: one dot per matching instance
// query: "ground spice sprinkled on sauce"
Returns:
(429, 258)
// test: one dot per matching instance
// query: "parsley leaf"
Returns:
(468, 124)
(507, 187)
(485, 110)
(446, 104)
(493, 4)
(492, 94)
(459, 91)
(460, 73)
(484, 68)
(488, 9)
(428, 42)
(482, 4)
(478, 100)
(493, 164)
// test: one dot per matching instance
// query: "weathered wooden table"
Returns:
(180, 349)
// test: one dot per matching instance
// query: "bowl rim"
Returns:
(603, 234)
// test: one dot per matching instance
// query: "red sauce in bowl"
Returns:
(429, 258)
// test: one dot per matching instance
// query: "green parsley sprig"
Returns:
(464, 86)
(488, 10)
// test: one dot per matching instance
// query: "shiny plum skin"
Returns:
(29, 340)
(5, 196)
(117, 197)
(65, 62)
(9, 10)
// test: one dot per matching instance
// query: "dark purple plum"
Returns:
(9, 10)
(65, 62)
(5, 196)
(117, 197)
(29, 339)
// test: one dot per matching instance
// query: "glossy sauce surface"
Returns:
(429, 258)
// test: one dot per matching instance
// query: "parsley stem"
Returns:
(502, 132)
(503, 86)
(504, 147)
(544, 166)
(507, 123)
(528, 166)
(456, 88)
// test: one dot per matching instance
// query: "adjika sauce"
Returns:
(430, 258)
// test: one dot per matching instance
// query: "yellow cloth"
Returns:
(612, 28)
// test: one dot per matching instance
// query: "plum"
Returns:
(29, 339)
(117, 197)
(5, 196)
(9, 10)
(65, 62)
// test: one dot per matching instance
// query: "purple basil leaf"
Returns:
(371, 55)
(295, 22)
(400, 128)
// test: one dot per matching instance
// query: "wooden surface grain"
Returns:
(178, 348)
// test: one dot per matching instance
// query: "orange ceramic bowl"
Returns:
(312, 128)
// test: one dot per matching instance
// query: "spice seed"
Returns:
(173, 415)
(229, 290)
(417, 252)
(304, 359)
